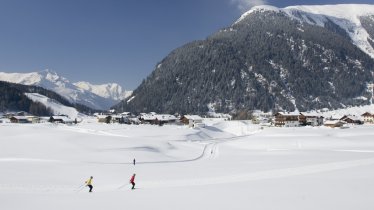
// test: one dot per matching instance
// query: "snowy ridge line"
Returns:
(261, 175)
(346, 16)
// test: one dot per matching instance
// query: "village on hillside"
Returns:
(279, 119)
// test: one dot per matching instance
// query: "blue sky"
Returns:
(102, 41)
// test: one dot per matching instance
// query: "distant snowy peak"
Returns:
(26, 79)
(345, 11)
(346, 16)
(34, 78)
(110, 90)
(94, 96)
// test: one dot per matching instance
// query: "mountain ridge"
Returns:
(268, 60)
(347, 16)
(108, 90)
(16, 97)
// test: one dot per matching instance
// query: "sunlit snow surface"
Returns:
(226, 165)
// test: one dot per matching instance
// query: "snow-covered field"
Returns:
(227, 165)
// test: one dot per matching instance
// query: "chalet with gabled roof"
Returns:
(19, 119)
(192, 121)
(61, 119)
(368, 117)
(310, 119)
(157, 119)
(334, 123)
(286, 119)
(351, 119)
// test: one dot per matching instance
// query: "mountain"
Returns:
(110, 90)
(99, 97)
(295, 58)
(37, 100)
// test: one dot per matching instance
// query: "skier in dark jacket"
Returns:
(132, 181)
(89, 183)
(134, 161)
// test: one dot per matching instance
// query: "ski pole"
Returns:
(80, 188)
(122, 186)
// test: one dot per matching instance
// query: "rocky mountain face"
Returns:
(300, 58)
(100, 97)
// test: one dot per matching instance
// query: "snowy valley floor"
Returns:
(227, 165)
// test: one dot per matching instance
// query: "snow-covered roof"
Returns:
(161, 117)
(289, 113)
(20, 117)
(310, 114)
(367, 114)
(165, 117)
(193, 117)
(354, 118)
(63, 118)
(148, 117)
(333, 122)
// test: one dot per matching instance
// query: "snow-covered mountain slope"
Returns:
(99, 97)
(346, 16)
(56, 107)
(110, 90)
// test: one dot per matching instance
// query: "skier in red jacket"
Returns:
(132, 181)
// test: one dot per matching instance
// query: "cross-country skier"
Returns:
(134, 161)
(132, 181)
(89, 183)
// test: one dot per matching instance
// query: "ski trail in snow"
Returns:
(236, 178)
(260, 175)
(210, 150)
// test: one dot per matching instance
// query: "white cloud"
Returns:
(245, 5)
